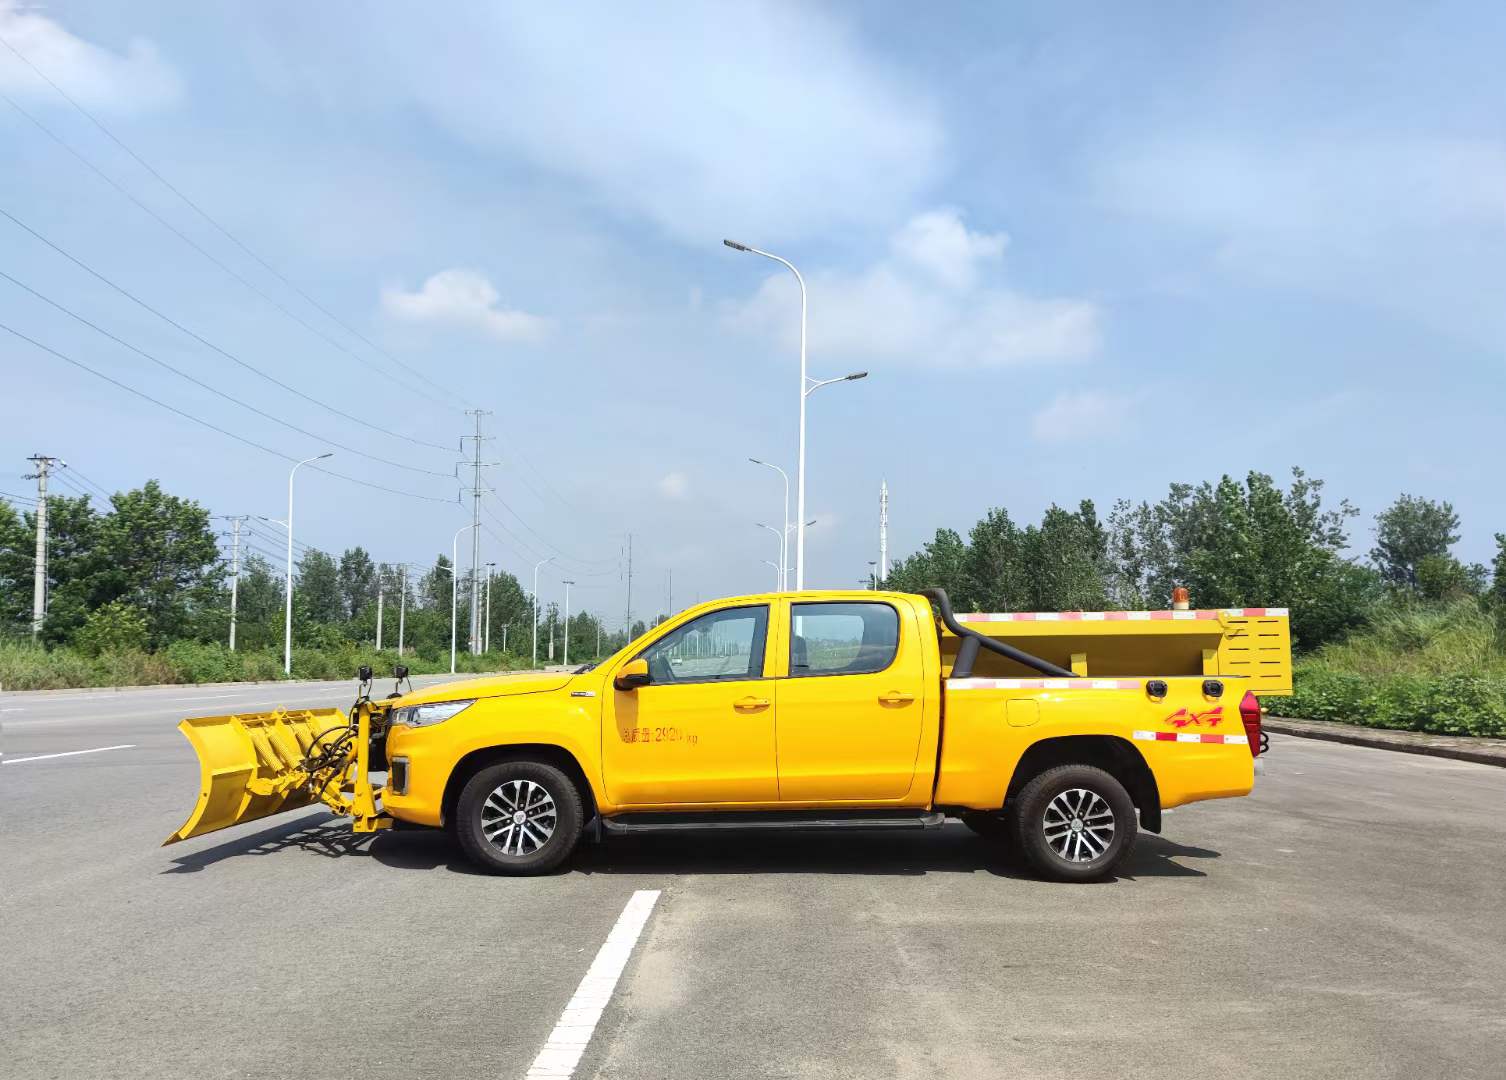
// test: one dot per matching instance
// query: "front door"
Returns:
(702, 731)
(851, 708)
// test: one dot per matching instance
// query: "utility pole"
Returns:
(44, 465)
(504, 637)
(669, 593)
(567, 622)
(486, 633)
(476, 466)
(598, 639)
(883, 559)
(628, 616)
(379, 609)
(402, 606)
(235, 567)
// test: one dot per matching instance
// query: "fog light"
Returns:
(397, 776)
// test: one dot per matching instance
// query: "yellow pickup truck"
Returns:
(775, 711)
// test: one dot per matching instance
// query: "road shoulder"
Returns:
(1459, 747)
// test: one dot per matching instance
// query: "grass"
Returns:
(24, 666)
(1432, 668)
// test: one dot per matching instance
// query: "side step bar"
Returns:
(777, 819)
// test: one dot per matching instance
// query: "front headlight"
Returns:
(425, 715)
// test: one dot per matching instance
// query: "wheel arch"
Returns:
(1116, 756)
(548, 753)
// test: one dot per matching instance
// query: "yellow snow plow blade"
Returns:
(254, 765)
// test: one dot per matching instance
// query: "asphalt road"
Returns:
(1348, 920)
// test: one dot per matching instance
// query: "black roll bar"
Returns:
(970, 641)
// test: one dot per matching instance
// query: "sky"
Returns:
(1081, 253)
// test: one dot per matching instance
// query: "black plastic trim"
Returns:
(678, 821)
(972, 641)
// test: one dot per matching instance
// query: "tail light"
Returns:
(1249, 714)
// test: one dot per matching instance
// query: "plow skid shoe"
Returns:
(251, 765)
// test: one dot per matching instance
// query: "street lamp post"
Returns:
(287, 635)
(455, 589)
(807, 387)
(778, 574)
(536, 566)
(784, 537)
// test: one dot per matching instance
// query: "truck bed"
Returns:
(1251, 642)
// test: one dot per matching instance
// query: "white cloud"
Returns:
(99, 79)
(925, 306)
(465, 299)
(675, 485)
(1075, 415)
(760, 122)
(938, 242)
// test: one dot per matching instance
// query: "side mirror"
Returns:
(632, 675)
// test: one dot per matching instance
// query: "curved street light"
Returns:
(807, 387)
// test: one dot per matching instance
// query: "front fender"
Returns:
(573, 724)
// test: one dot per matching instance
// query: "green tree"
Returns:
(17, 550)
(358, 579)
(316, 592)
(1408, 531)
(259, 606)
(942, 563)
(1066, 561)
(74, 564)
(1236, 544)
(995, 571)
(1443, 577)
(157, 553)
(1498, 572)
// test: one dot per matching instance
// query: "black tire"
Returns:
(1061, 850)
(483, 807)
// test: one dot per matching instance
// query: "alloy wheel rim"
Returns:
(519, 817)
(1078, 825)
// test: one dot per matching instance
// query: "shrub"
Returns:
(1456, 704)
(111, 627)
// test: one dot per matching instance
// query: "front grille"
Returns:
(397, 776)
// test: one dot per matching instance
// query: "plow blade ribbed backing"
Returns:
(251, 765)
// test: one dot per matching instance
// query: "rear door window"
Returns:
(842, 638)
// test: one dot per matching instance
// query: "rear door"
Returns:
(851, 706)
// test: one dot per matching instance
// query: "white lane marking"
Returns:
(66, 753)
(567, 1042)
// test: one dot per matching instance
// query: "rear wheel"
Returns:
(1075, 823)
(518, 818)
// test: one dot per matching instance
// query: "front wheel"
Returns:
(1075, 823)
(518, 818)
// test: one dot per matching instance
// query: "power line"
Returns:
(170, 227)
(543, 539)
(205, 423)
(74, 471)
(200, 338)
(213, 390)
(205, 215)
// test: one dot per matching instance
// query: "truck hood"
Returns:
(488, 687)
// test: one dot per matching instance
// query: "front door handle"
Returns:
(896, 697)
(751, 703)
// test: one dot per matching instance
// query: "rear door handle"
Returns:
(896, 697)
(751, 703)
